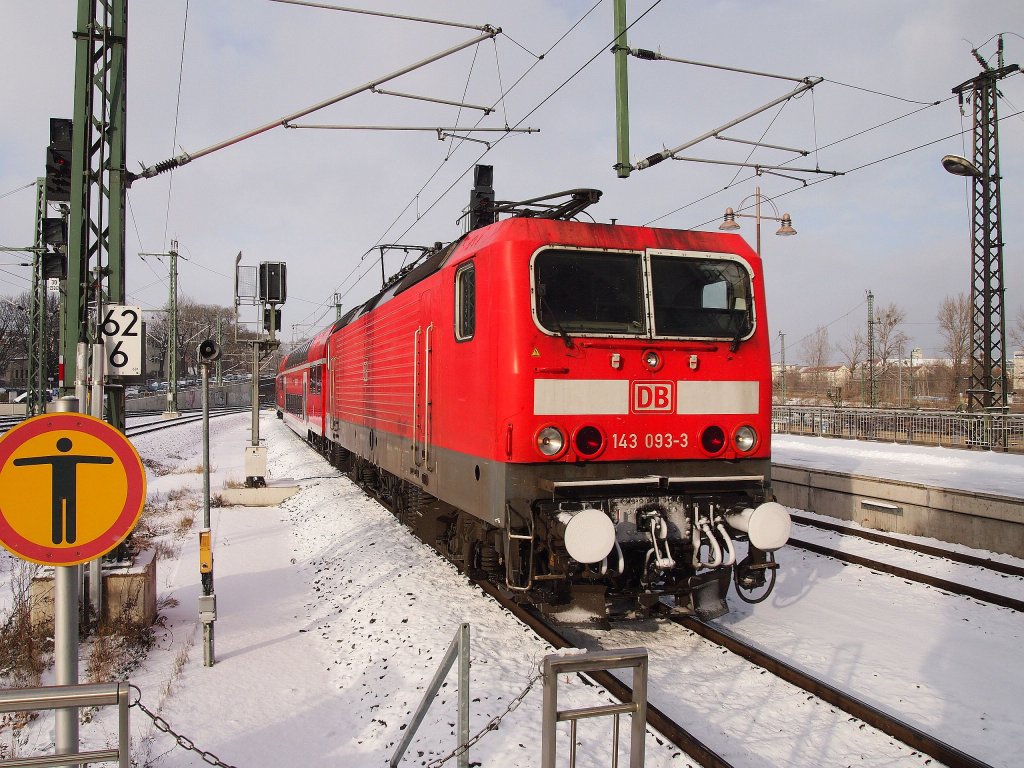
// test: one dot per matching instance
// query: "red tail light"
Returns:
(589, 441)
(712, 440)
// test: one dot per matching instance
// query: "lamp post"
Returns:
(729, 222)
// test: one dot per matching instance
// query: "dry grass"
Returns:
(119, 645)
(24, 649)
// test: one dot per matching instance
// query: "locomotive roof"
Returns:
(580, 234)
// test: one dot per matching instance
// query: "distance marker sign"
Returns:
(72, 488)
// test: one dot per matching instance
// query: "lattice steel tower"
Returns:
(987, 388)
(98, 184)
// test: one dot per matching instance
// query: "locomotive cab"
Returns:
(580, 412)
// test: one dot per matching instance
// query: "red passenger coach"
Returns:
(580, 412)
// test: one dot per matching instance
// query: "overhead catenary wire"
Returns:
(328, 304)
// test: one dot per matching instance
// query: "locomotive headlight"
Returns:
(550, 441)
(652, 360)
(745, 439)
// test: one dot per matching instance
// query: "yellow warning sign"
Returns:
(72, 488)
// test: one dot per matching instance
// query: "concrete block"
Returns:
(129, 593)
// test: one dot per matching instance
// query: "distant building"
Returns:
(16, 374)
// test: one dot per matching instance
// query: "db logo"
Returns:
(653, 397)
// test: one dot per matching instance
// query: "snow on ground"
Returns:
(332, 620)
(956, 468)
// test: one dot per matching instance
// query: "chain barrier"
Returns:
(211, 759)
(491, 726)
(183, 741)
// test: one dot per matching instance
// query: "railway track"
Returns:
(692, 745)
(190, 418)
(706, 754)
(925, 549)
(957, 588)
(867, 713)
(656, 718)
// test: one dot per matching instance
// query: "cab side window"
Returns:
(465, 302)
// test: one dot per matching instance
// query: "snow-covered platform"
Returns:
(974, 498)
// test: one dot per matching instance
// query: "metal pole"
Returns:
(256, 393)
(37, 314)
(464, 694)
(96, 409)
(871, 350)
(207, 578)
(172, 335)
(783, 337)
(621, 52)
(220, 343)
(206, 444)
(65, 620)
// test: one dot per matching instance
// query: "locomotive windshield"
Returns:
(587, 292)
(700, 297)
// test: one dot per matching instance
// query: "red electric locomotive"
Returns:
(579, 411)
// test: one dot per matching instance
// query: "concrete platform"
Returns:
(979, 520)
(269, 496)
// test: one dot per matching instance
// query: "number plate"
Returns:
(650, 440)
(122, 340)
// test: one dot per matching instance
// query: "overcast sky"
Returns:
(322, 200)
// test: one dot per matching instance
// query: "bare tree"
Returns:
(854, 353)
(817, 353)
(14, 319)
(1017, 330)
(954, 318)
(890, 339)
(13, 332)
(195, 322)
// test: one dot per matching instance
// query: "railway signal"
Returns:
(209, 352)
(58, 161)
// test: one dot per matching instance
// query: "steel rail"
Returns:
(657, 719)
(908, 734)
(905, 573)
(145, 429)
(914, 546)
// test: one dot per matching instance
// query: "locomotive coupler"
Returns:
(651, 521)
(751, 573)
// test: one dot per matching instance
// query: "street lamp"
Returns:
(960, 166)
(730, 224)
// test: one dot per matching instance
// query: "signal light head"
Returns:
(209, 351)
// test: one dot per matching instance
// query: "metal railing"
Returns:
(998, 431)
(589, 662)
(458, 648)
(60, 697)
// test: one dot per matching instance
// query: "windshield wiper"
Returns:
(558, 326)
(739, 315)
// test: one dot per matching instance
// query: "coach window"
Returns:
(315, 375)
(465, 302)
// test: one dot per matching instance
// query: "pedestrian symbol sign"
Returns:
(72, 488)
